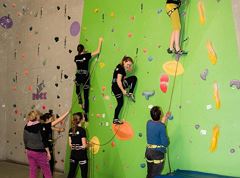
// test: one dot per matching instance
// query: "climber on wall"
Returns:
(157, 142)
(83, 76)
(172, 7)
(48, 126)
(78, 145)
(120, 83)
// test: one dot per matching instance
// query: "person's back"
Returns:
(157, 142)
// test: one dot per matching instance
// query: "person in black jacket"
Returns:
(36, 145)
(82, 75)
(48, 126)
(78, 146)
(120, 84)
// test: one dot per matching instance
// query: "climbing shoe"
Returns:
(131, 97)
(170, 51)
(117, 122)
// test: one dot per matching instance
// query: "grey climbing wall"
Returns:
(38, 44)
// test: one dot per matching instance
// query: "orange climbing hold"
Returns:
(216, 95)
(214, 141)
(211, 53)
(201, 12)
(123, 131)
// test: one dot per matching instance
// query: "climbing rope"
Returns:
(174, 80)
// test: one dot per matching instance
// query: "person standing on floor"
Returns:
(83, 76)
(78, 145)
(157, 142)
(48, 126)
(120, 84)
(36, 145)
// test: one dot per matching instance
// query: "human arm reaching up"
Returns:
(59, 119)
(97, 51)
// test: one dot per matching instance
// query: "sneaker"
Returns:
(170, 51)
(180, 52)
(131, 97)
(117, 122)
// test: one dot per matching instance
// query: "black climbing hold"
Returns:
(56, 84)
(56, 39)
(65, 76)
(69, 17)
(58, 8)
(58, 96)
(70, 51)
(58, 67)
(30, 28)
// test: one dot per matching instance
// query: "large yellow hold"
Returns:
(173, 67)
(214, 140)
(95, 145)
(211, 53)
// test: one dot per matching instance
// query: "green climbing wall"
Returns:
(141, 29)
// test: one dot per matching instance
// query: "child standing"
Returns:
(157, 142)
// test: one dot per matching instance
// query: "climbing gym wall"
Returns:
(203, 131)
(38, 44)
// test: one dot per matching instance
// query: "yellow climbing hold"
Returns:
(201, 12)
(214, 140)
(102, 65)
(170, 68)
(95, 145)
(211, 53)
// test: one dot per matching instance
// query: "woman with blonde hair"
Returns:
(36, 146)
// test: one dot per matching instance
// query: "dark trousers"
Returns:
(154, 169)
(83, 81)
(73, 168)
(130, 83)
(52, 161)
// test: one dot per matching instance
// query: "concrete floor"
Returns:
(12, 170)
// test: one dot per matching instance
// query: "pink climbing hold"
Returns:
(164, 79)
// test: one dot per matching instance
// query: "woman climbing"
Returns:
(120, 84)
(172, 7)
(83, 75)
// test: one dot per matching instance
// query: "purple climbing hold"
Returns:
(75, 28)
(6, 22)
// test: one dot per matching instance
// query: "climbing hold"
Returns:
(201, 12)
(216, 95)
(143, 165)
(204, 74)
(147, 94)
(150, 58)
(95, 145)
(164, 79)
(211, 53)
(214, 140)
(235, 83)
(124, 131)
(6, 22)
(75, 28)
(197, 126)
(170, 68)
